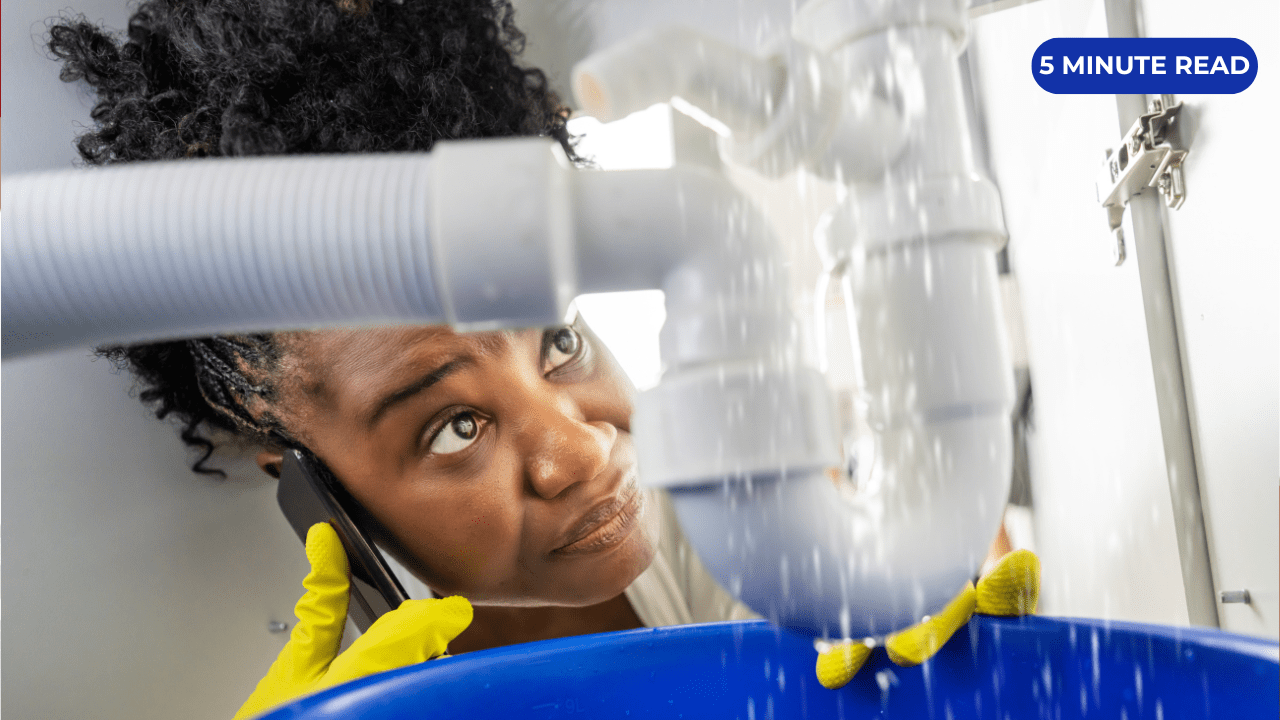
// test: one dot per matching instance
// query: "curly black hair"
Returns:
(209, 78)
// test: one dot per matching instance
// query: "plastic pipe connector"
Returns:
(734, 400)
(503, 232)
(735, 87)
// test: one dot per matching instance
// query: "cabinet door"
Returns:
(1224, 257)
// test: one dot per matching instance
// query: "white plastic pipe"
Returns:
(734, 397)
(159, 250)
(916, 249)
(916, 66)
(475, 235)
(689, 232)
(819, 556)
(481, 234)
(872, 98)
(184, 249)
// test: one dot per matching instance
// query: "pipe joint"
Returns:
(503, 232)
(733, 397)
(737, 88)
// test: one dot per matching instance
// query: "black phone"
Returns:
(309, 494)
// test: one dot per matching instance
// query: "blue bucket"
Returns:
(1032, 667)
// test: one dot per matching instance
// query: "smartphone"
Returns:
(308, 494)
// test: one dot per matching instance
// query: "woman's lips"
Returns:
(607, 525)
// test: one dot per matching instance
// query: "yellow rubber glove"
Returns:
(416, 631)
(923, 640)
(838, 664)
(1011, 589)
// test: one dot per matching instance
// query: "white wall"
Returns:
(132, 587)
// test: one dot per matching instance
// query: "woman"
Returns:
(499, 465)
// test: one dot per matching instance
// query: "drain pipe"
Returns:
(916, 251)
(914, 243)
(735, 398)
(479, 234)
(163, 250)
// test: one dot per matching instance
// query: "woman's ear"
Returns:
(270, 462)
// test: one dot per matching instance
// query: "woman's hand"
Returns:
(416, 631)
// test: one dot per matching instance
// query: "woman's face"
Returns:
(501, 463)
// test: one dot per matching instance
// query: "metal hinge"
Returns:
(1149, 156)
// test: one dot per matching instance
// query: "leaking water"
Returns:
(823, 551)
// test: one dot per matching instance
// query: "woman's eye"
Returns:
(456, 435)
(562, 345)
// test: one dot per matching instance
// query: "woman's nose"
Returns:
(565, 449)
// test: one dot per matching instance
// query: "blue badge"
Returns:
(1149, 66)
